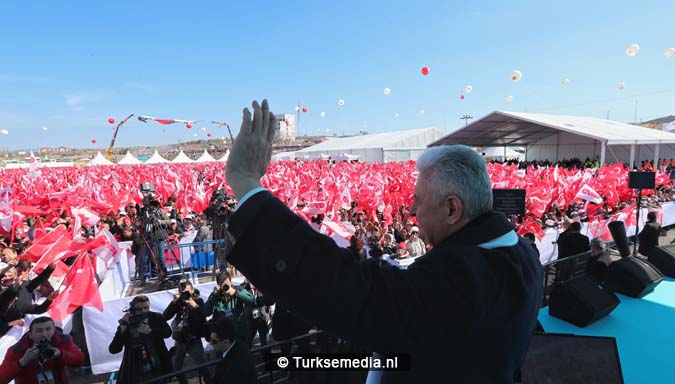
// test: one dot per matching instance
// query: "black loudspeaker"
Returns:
(632, 277)
(618, 230)
(581, 301)
(663, 258)
(641, 180)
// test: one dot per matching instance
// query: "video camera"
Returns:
(45, 349)
(222, 204)
(135, 320)
(148, 190)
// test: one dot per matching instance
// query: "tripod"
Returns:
(154, 234)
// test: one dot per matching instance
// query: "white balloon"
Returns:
(44, 129)
(422, 112)
(323, 114)
(516, 75)
(297, 109)
(341, 102)
(468, 89)
(670, 52)
(621, 85)
(396, 114)
(509, 99)
(387, 91)
(4, 132)
(566, 82)
(632, 50)
(195, 135)
(204, 129)
(222, 138)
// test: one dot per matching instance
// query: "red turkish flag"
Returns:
(589, 194)
(81, 289)
(44, 244)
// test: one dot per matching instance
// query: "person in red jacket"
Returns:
(41, 356)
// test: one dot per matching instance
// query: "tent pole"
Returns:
(603, 147)
(656, 157)
(632, 156)
(557, 145)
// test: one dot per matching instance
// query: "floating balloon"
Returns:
(461, 97)
(204, 129)
(565, 82)
(516, 75)
(297, 109)
(44, 129)
(468, 89)
(632, 50)
(323, 114)
(509, 99)
(425, 71)
(396, 114)
(4, 132)
(670, 52)
(111, 120)
(304, 109)
(621, 85)
(341, 102)
(422, 112)
(93, 141)
(387, 91)
(188, 125)
(195, 135)
(208, 134)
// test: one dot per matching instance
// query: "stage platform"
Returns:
(644, 330)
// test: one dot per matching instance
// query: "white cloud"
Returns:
(76, 101)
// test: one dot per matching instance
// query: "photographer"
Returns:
(141, 334)
(188, 327)
(220, 208)
(228, 301)
(154, 233)
(259, 316)
(41, 356)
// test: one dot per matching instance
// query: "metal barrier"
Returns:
(259, 351)
(202, 261)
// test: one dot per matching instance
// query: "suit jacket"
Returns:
(572, 243)
(236, 367)
(649, 237)
(464, 314)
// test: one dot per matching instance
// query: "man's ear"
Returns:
(454, 208)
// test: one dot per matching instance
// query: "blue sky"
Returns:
(69, 65)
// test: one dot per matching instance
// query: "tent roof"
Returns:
(394, 139)
(225, 156)
(205, 157)
(182, 158)
(156, 159)
(129, 159)
(501, 128)
(100, 160)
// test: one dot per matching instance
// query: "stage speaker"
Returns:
(632, 277)
(618, 230)
(581, 301)
(641, 180)
(663, 258)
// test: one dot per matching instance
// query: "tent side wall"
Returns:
(563, 145)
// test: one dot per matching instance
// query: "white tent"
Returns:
(129, 159)
(156, 159)
(225, 156)
(284, 156)
(502, 152)
(379, 147)
(99, 160)
(555, 137)
(205, 158)
(182, 158)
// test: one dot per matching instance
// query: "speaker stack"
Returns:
(581, 301)
(663, 258)
(618, 231)
(632, 277)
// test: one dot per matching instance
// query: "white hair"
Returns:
(457, 170)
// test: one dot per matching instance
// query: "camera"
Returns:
(222, 293)
(45, 349)
(135, 321)
(147, 188)
(221, 204)
(185, 295)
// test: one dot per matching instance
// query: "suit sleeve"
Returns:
(118, 341)
(307, 272)
(170, 311)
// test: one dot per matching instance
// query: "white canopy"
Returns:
(129, 159)
(99, 160)
(555, 137)
(156, 159)
(379, 147)
(501, 153)
(205, 158)
(284, 155)
(182, 158)
(225, 156)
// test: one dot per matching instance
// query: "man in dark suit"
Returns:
(649, 236)
(481, 283)
(570, 243)
(237, 364)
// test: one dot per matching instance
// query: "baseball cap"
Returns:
(414, 229)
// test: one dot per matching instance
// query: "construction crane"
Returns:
(112, 142)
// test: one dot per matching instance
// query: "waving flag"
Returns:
(589, 194)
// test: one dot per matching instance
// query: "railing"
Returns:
(202, 261)
(261, 351)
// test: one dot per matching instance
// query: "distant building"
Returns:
(46, 150)
(286, 127)
(665, 123)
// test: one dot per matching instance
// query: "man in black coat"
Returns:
(141, 334)
(237, 365)
(649, 236)
(570, 243)
(464, 311)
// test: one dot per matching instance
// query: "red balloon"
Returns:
(304, 109)
(93, 141)
(188, 125)
(461, 97)
(208, 134)
(111, 120)
(425, 71)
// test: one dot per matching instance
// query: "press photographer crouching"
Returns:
(141, 334)
(41, 356)
(230, 302)
(188, 327)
